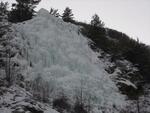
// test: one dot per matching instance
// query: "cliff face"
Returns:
(53, 66)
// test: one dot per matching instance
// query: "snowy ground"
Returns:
(17, 100)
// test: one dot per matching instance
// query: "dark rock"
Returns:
(24, 109)
(33, 110)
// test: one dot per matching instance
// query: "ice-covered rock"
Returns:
(58, 53)
(17, 100)
(43, 12)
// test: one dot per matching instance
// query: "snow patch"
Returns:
(127, 82)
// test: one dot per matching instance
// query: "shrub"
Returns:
(61, 104)
(79, 108)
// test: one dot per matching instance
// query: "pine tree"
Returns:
(22, 10)
(6, 45)
(67, 16)
(3, 11)
(96, 22)
(3, 27)
(4, 41)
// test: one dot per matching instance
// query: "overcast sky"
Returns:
(129, 16)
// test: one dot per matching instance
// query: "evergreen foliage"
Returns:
(79, 108)
(96, 22)
(3, 10)
(7, 47)
(3, 18)
(4, 41)
(7, 52)
(120, 46)
(22, 10)
(61, 104)
(67, 16)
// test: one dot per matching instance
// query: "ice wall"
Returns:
(60, 54)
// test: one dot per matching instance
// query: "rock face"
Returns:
(17, 100)
(60, 55)
(24, 109)
(55, 60)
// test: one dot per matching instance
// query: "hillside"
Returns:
(54, 65)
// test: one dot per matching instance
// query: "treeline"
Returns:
(134, 51)
(24, 10)
(120, 46)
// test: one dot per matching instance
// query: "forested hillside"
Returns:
(51, 63)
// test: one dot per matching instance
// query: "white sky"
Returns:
(129, 16)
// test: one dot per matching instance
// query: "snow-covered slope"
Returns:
(18, 100)
(60, 55)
